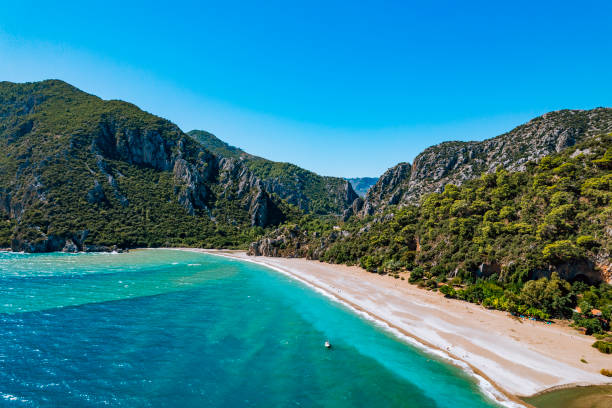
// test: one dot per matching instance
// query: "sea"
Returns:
(169, 328)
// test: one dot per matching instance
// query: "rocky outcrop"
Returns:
(124, 141)
(456, 162)
(51, 243)
(190, 186)
(354, 209)
(388, 189)
(163, 148)
(70, 246)
(287, 241)
(239, 183)
(96, 194)
(290, 241)
(54, 243)
(306, 190)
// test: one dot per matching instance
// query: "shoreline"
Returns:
(496, 392)
(550, 359)
(497, 370)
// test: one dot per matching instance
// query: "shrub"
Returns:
(448, 291)
(416, 274)
(369, 263)
(552, 296)
(606, 160)
(507, 212)
(603, 346)
(607, 373)
(431, 284)
(561, 251)
(592, 325)
(587, 241)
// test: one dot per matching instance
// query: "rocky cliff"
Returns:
(456, 162)
(81, 173)
(304, 189)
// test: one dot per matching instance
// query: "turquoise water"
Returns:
(163, 328)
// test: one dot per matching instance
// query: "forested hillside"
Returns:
(81, 173)
(456, 162)
(525, 241)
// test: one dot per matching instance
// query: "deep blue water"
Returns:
(162, 328)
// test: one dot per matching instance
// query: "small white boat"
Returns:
(327, 344)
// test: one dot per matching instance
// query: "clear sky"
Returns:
(344, 88)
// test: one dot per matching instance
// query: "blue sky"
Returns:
(342, 88)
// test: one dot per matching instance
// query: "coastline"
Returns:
(511, 359)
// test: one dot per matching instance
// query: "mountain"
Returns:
(457, 162)
(81, 173)
(361, 185)
(535, 242)
(306, 190)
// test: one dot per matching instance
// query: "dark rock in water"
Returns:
(96, 248)
(54, 243)
(70, 246)
(51, 243)
(115, 248)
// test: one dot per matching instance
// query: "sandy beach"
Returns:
(518, 357)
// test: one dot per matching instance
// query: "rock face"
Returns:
(71, 161)
(165, 148)
(287, 241)
(456, 162)
(238, 183)
(389, 188)
(190, 184)
(304, 189)
(54, 243)
(292, 242)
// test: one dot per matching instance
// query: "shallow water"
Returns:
(158, 328)
(597, 396)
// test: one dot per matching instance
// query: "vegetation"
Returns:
(533, 243)
(308, 191)
(603, 346)
(73, 162)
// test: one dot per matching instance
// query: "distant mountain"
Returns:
(306, 190)
(457, 162)
(361, 185)
(81, 173)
